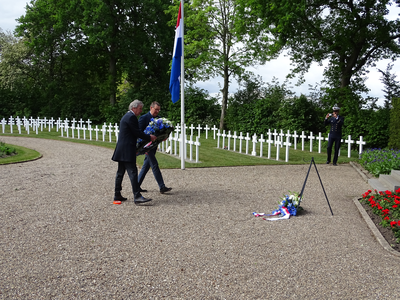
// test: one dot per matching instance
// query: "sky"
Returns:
(278, 68)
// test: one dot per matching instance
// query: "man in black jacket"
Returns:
(335, 134)
(150, 159)
(125, 151)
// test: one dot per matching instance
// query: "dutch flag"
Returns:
(174, 83)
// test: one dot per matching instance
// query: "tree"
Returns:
(214, 46)
(392, 86)
(351, 35)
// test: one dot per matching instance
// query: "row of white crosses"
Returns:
(78, 129)
(279, 140)
(171, 144)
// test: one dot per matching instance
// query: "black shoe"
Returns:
(165, 189)
(328, 162)
(120, 198)
(335, 164)
(142, 190)
(141, 200)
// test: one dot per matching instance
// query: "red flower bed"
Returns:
(387, 206)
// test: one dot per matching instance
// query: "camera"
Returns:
(330, 115)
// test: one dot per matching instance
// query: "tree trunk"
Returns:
(224, 90)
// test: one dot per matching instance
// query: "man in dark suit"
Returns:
(125, 151)
(335, 134)
(150, 159)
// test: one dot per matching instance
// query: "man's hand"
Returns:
(327, 116)
(153, 137)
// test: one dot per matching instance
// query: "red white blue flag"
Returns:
(174, 82)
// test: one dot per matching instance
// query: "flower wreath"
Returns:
(161, 128)
(289, 206)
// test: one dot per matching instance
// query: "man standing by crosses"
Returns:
(125, 152)
(150, 159)
(335, 134)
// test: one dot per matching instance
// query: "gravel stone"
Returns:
(61, 236)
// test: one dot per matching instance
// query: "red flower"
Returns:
(396, 201)
(386, 218)
(398, 222)
(394, 206)
(393, 223)
(388, 192)
(398, 191)
(379, 207)
(385, 211)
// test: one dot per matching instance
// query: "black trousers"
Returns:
(131, 169)
(337, 142)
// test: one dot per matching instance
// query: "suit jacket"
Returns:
(144, 120)
(336, 126)
(128, 133)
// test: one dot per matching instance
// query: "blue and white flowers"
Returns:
(161, 128)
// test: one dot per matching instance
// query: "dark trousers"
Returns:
(131, 169)
(150, 160)
(332, 140)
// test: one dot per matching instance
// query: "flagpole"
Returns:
(183, 130)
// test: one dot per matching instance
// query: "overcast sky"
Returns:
(10, 10)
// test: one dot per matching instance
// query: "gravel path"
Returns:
(62, 238)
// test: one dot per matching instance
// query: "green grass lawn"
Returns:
(209, 154)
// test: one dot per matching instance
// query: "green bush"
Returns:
(6, 150)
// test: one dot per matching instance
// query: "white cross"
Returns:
(311, 137)
(287, 144)
(349, 141)
(3, 124)
(50, 123)
(214, 129)
(19, 123)
(88, 122)
(207, 129)
(275, 134)
(190, 142)
(90, 132)
(197, 144)
(110, 130)
(97, 132)
(223, 139)
(116, 130)
(254, 153)
(261, 140)
(229, 139)
(84, 132)
(361, 143)
(104, 130)
(295, 136)
(240, 142)
(191, 129)
(199, 128)
(58, 123)
(320, 138)
(81, 123)
(247, 138)
(44, 121)
(234, 140)
(218, 135)
(61, 129)
(73, 123)
(175, 141)
(302, 136)
(278, 144)
(269, 141)
(66, 127)
(11, 123)
(78, 127)
(281, 135)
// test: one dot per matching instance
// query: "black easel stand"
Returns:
(305, 181)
